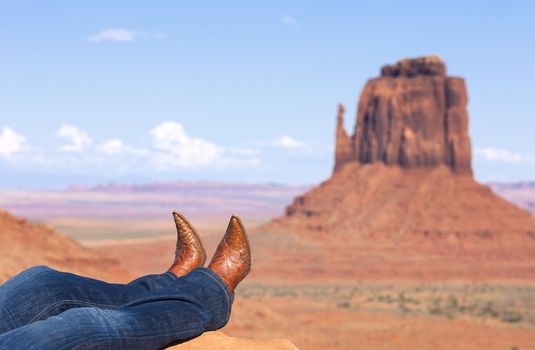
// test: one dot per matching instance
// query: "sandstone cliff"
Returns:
(412, 115)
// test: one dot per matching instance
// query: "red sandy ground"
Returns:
(311, 325)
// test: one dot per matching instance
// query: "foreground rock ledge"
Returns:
(221, 341)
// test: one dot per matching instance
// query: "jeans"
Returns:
(43, 309)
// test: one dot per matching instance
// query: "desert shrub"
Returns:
(436, 307)
(344, 305)
(511, 317)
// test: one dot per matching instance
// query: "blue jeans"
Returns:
(43, 309)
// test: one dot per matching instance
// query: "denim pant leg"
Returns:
(40, 292)
(186, 308)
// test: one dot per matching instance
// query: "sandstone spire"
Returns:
(413, 115)
(344, 144)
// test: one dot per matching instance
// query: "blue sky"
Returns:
(136, 91)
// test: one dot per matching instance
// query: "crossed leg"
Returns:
(40, 292)
(192, 304)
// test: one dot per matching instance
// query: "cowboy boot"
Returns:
(189, 252)
(232, 258)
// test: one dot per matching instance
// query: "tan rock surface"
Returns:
(221, 341)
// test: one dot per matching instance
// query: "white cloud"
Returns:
(504, 156)
(118, 147)
(11, 142)
(290, 20)
(171, 149)
(176, 148)
(78, 139)
(121, 35)
(116, 35)
(113, 146)
(288, 142)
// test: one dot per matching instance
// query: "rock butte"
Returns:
(412, 115)
(404, 176)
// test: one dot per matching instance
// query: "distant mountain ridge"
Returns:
(519, 193)
(152, 200)
(177, 186)
(202, 197)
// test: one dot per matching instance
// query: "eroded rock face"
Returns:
(344, 143)
(413, 115)
(409, 67)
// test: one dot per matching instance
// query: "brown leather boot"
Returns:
(232, 258)
(189, 252)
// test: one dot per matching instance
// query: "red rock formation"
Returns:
(412, 115)
(410, 67)
(402, 200)
(25, 244)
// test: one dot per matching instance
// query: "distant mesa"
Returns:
(412, 115)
